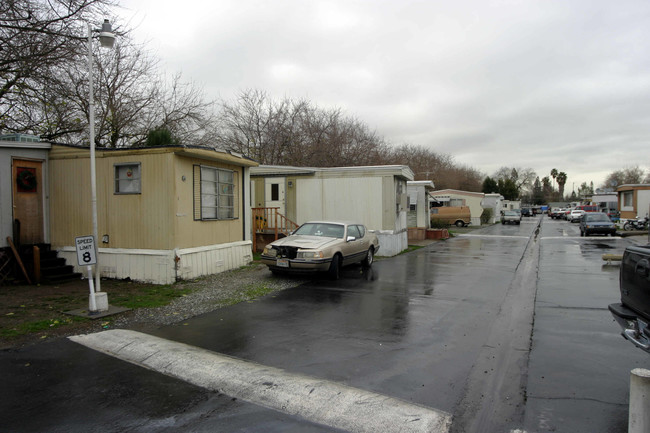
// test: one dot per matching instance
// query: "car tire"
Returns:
(503, 222)
(334, 271)
(459, 223)
(370, 257)
(582, 233)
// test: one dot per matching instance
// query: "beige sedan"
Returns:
(322, 246)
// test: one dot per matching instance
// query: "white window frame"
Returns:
(627, 200)
(217, 194)
(134, 181)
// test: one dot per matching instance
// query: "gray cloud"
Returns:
(541, 84)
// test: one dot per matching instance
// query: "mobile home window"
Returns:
(454, 202)
(127, 178)
(628, 199)
(217, 194)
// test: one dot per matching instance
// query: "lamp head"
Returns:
(106, 35)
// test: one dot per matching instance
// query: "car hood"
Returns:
(305, 242)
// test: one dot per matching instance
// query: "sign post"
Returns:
(87, 256)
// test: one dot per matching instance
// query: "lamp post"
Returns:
(107, 39)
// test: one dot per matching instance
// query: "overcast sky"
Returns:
(541, 84)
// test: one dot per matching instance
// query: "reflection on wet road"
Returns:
(506, 328)
(412, 327)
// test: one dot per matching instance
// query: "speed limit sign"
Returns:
(86, 253)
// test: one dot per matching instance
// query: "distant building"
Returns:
(454, 197)
(633, 200)
(25, 138)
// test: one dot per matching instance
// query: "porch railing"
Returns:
(267, 220)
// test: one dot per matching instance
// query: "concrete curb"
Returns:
(317, 400)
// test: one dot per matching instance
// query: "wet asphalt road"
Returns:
(506, 328)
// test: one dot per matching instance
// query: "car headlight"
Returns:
(310, 255)
(268, 251)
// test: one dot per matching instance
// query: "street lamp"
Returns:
(107, 39)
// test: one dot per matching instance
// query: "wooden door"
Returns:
(27, 180)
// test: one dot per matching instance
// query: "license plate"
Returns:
(282, 263)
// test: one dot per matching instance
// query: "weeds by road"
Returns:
(35, 313)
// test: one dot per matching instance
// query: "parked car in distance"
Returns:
(588, 207)
(593, 223)
(575, 215)
(510, 217)
(553, 212)
(633, 312)
(525, 211)
(324, 246)
(459, 216)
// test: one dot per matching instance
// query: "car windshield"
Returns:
(321, 229)
(511, 213)
(600, 217)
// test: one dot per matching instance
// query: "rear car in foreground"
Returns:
(322, 246)
(633, 312)
(596, 223)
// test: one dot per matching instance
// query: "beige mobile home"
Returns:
(633, 201)
(164, 213)
(373, 195)
(454, 197)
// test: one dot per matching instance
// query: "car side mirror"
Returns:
(351, 238)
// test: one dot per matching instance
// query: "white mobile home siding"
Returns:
(340, 199)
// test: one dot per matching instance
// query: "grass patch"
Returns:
(150, 297)
(37, 326)
(257, 290)
(252, 291)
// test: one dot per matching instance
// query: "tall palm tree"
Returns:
(561, 180)
(554, 175)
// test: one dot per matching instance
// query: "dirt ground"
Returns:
(30, 313)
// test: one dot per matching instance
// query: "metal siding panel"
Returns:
(309, 195)
(357, 199)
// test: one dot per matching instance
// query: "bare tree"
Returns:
(522, 178)
(429, 165)
(295, 132)
(181, 108)
(36, 37)
(628, 175)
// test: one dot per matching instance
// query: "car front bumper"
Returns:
(296, 265)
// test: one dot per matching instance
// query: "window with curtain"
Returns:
(127, 178)
(217, 194)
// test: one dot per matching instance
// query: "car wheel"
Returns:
(460, 224)
(335, 267)
(503, 222)
(582, 233)
(518, 222)
(370, 257)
